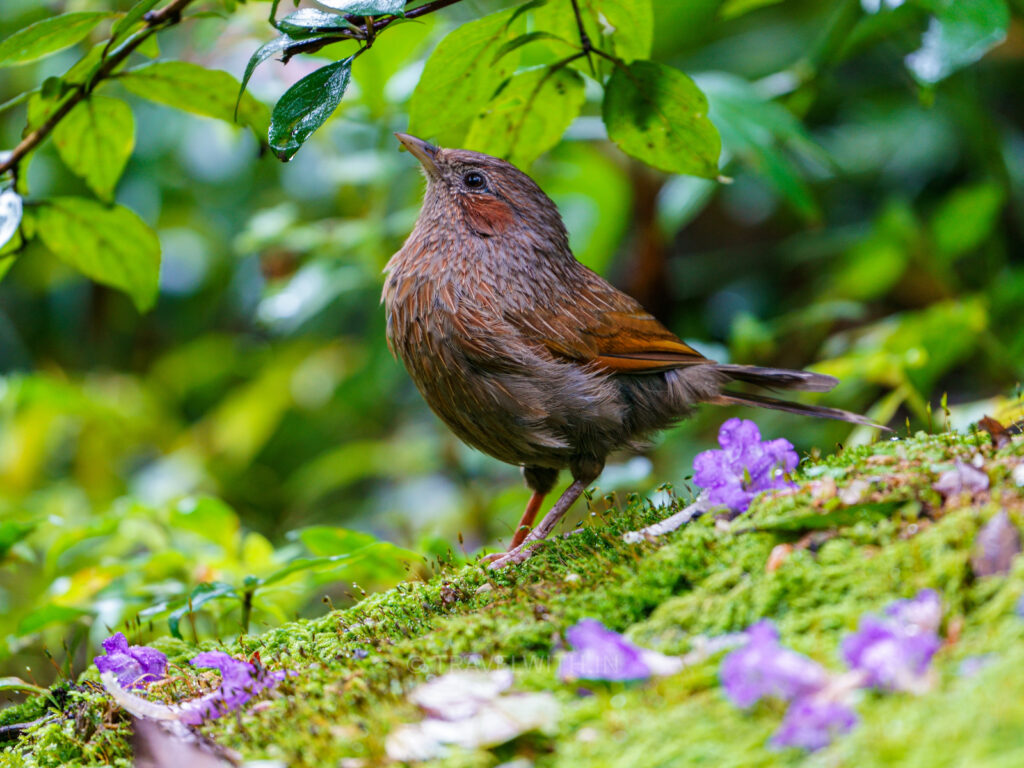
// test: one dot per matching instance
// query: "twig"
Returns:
(678, 520)
(584, 37)
(166, 16)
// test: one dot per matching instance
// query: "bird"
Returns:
(528, 355)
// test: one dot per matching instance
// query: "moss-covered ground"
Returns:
(848, 552)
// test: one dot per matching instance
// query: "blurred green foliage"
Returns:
(230, 456)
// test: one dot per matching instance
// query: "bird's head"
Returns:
(483, 195)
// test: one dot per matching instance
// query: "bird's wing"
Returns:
(599, 324)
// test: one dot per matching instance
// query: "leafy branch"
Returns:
(154, 21)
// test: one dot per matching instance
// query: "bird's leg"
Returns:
(584, 473)
(532, 508)
(540, 480)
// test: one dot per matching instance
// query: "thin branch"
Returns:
(584, 37)
(167, 16)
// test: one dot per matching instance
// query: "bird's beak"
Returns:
(422, 151)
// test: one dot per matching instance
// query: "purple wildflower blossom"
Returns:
(240, 681)
(812, 723)
(763, 668)
(923, 611)
(744, 466)
(601, 654)
(133, 665)
(894, 652)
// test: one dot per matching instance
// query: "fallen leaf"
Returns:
(778, 555)
(962, 478)
(995, 546)
(996, 431)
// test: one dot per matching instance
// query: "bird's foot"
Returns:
(514, 556)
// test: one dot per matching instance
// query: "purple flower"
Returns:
(893, 653)
(601, 654)
(813, 722)
(744, 466)
(765, 669)
(923, 611)
(240, 681)
(134, 666)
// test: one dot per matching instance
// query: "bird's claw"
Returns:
(513, 557)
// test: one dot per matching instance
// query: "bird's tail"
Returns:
(781, 378)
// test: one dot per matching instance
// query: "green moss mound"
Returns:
(865, 527)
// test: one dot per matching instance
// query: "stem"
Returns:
(246, 610)
(167, 16)
(584, 37)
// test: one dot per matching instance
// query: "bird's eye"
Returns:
(474, 180)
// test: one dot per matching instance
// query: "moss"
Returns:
(356, 666)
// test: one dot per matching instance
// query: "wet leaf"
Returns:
(309, 22)
(658, 115)
(306, 106)
(366, 7)
(11, 210)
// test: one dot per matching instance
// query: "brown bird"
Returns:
(531, 357)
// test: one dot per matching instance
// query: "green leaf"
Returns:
(48, 36)
(965, 219)
(367, 7)
(201, 595)
(47, 616)
(658, 115)
(528, 116)
(95, 141)
(210, 518)
(306, 106)
(959, 34)
(333, 540)
(309, 22)
(11, 532)
(11, 210)
(110, 245)
(264, 52)
(192, 88)
(733, 8)
(458, 81)
(130, 19)
(756, 131)
(519, 42)
(623, 28)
